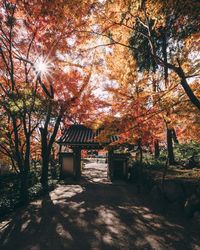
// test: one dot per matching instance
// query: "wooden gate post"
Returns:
(77, 162)
(110, 168)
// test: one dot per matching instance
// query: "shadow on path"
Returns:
(96, 215)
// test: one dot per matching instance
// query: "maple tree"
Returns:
(157, 44)
(163, 38)
(57, 110)
(35, 93)
(18, 98)
(50, 50)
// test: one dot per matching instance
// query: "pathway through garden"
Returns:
(96, 214)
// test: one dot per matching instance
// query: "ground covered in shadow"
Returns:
(96, 214)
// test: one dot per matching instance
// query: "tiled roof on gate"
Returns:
(79, 134)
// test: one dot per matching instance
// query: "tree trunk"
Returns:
(27, 155)
(193, 98)
(47, 147)
(45, 160)
(45, 171)
(175, 139)
(24, 187)
(156, 149)
(24, 176)
(178, 70)
(140, 151)
(22, 164)
(164, 174)
(170, 151)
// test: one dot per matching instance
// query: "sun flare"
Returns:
(43, 67)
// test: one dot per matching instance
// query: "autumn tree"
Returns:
(137, 120)
(33, 40)
(162, 36)
(176, 21)
(62, 19)
(163, 41)
(57, 110)
(19, 98)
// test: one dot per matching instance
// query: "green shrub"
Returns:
(10, 188)
(185, 151)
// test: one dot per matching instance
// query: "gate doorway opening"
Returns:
(77, 140)
(94, 166)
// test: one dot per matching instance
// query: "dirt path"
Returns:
(96, 215)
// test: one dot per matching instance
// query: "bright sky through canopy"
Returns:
(43, 66)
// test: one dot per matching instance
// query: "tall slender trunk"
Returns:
(24, 175)
(45, 159)
(21, 164)
(24, 187)
(164, 63)
(156, 149)
(170, 151)
(27, 154)
(45, 172)
(140, 151)
(175, 139)
(47, 147)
